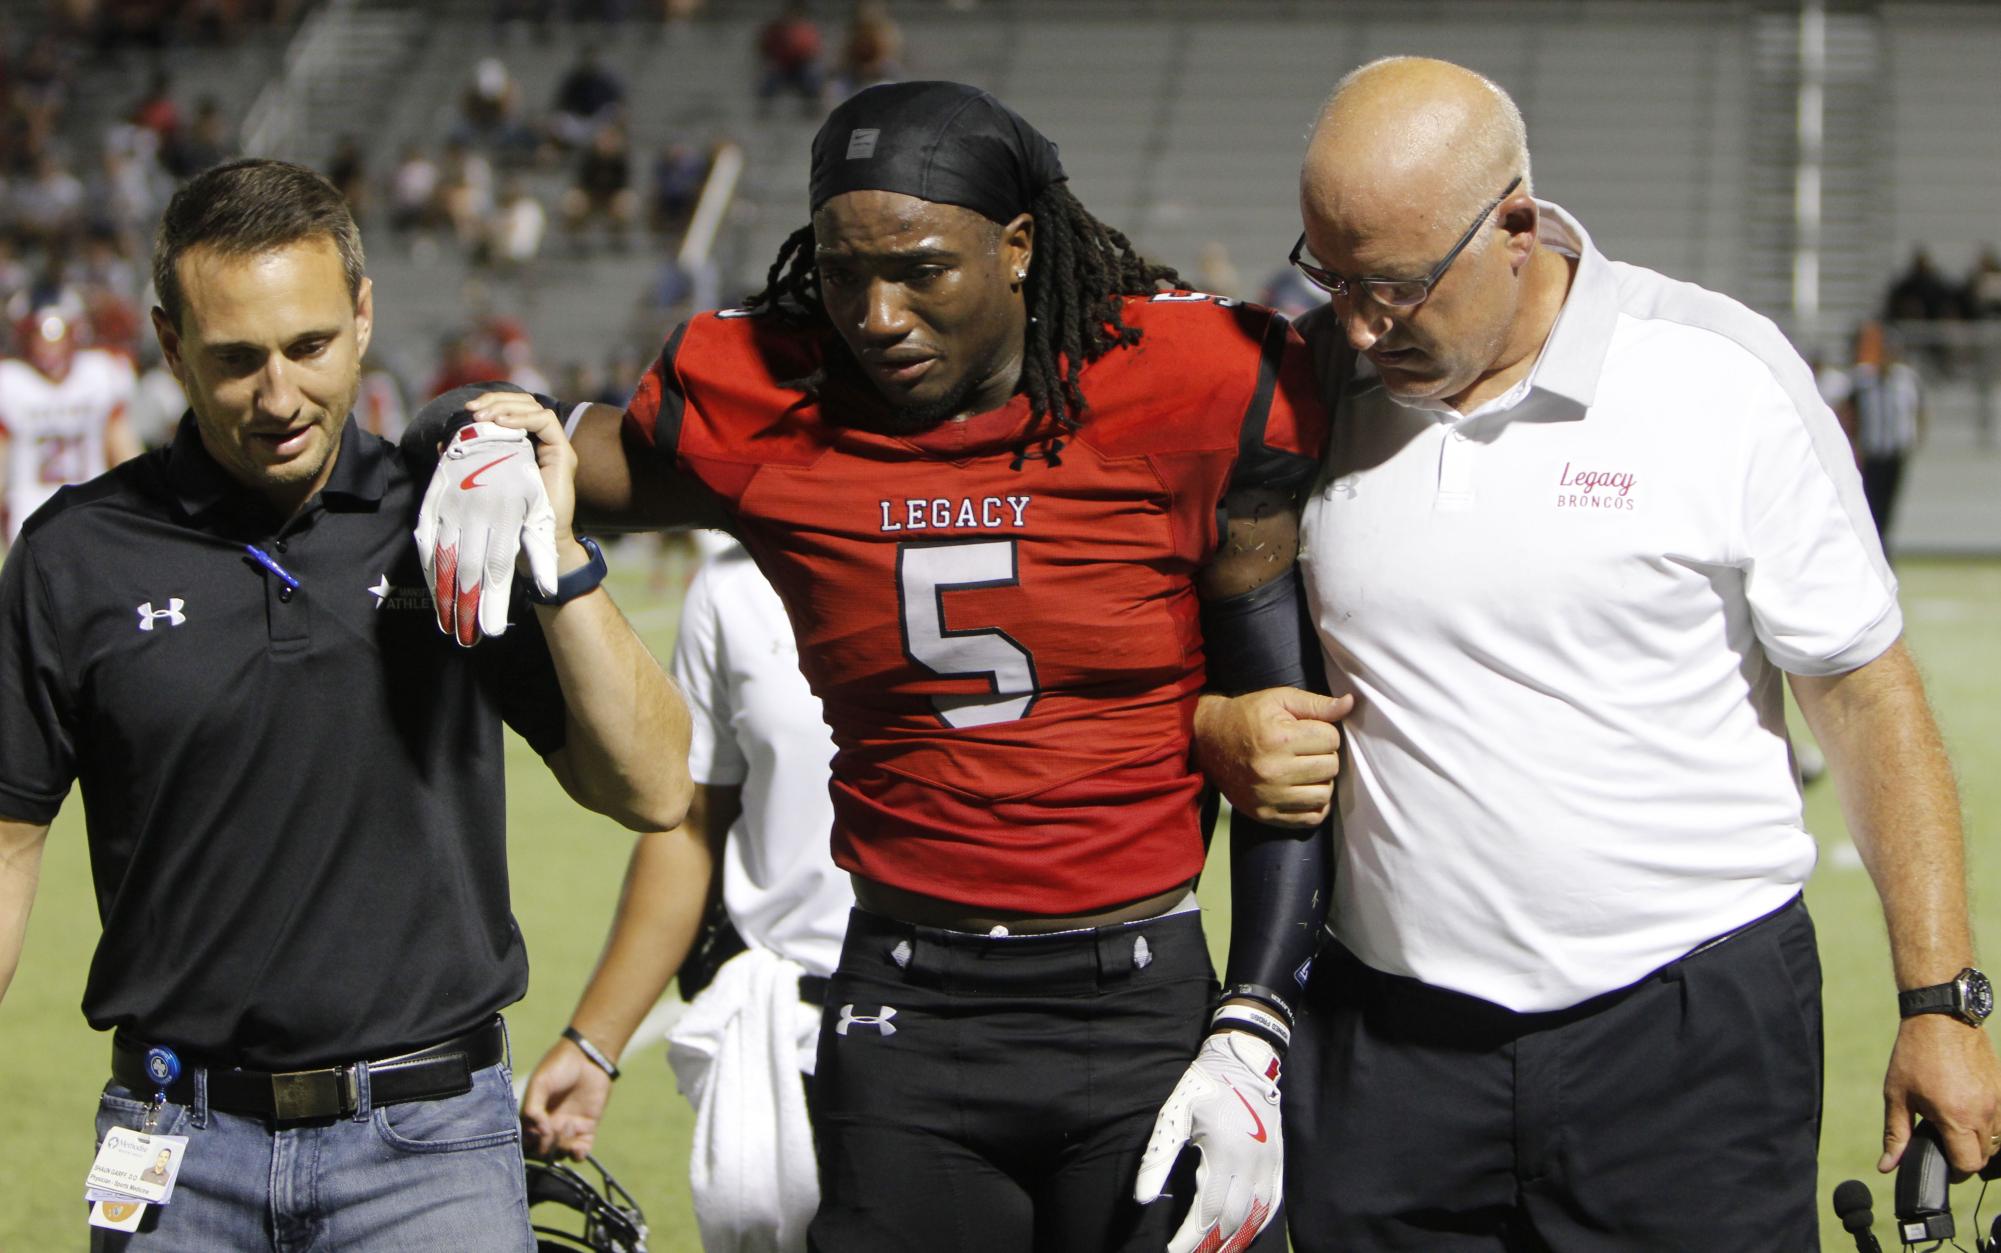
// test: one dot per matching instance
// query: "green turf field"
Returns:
(566, 871)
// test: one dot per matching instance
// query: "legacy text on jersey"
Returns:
(940, 513)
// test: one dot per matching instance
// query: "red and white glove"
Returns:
(485, 507)
(1226, 1106)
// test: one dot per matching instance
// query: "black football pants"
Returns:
(993, 1095)
(1680, 1114)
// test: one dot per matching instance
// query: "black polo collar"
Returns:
(360, 474)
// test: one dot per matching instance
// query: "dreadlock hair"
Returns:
(1080, 269)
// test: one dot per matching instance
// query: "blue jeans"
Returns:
(424, 1175)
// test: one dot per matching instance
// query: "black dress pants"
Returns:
(993, 1095)
(1882, 475)
(1681, 1113)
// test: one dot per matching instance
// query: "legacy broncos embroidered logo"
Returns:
(1595, 489)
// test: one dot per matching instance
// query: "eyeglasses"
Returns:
(1396, 293)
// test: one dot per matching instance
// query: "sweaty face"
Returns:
(269, 352)
(924, 296)
(1439, 349)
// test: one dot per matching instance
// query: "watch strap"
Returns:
(578, 582)
(1969, 998)
(1939, 998)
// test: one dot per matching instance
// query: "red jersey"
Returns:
(1001, 628)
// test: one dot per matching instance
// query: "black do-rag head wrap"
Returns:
(943, 142)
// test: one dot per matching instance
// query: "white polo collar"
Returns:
(1574, 354)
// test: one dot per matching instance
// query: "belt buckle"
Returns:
(301, 1094)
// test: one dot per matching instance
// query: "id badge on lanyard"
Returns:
(137, 1166)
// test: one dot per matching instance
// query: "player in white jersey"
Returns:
(62, 414)
(758, 831)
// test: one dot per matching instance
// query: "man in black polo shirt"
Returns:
(292, 782)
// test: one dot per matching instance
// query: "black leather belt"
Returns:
(330, 1091)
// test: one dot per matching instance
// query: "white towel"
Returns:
(735, 1054)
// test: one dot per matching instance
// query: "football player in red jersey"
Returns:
(1011, 487)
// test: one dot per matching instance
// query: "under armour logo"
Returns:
(172, 613)
(881, 1022)
(1051, 451)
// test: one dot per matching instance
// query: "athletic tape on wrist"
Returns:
(1261, 1023)
(591, 1051)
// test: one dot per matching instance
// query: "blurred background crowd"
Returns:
(531, 175)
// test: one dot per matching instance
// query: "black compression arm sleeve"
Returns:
(442, 416)
(1279, 876)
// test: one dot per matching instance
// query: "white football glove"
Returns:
(1226, 1106)
(486, 505)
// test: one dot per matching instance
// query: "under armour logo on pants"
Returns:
(881, 1022)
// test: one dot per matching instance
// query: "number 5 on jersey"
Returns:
(925, 573)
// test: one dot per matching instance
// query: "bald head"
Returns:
(1417, 175)
(1412, 138)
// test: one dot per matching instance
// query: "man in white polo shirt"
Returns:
(1577, 521)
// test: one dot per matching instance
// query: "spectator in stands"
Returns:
(585, 100)
(49, 206)
(1216, 274)
(40, 85)
(532, 11)
(111, 321)
(465, 192)
(1982, 295)
(620, 371)
(490, 112)
(102, 266)
(679, 170)
(204, 143)
(1886, 398)
(145, 23)
(791, 54)
(378, 405)
(156, 110)
(514, 235)
(1289, 292)
(1921, 293)
(158, 401)
(50, 288)
(125, 195)
(413, 192)
(603, 190)
(517, 353)
(13, 272)
(347, 170)
(461, 362)
(874, 53)
(580, 378)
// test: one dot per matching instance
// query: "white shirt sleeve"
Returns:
(1822, 598)
(700, 667)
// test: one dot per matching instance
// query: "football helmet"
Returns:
(47, 338)
(612, 1222)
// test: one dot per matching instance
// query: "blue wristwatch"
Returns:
(578, 582)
